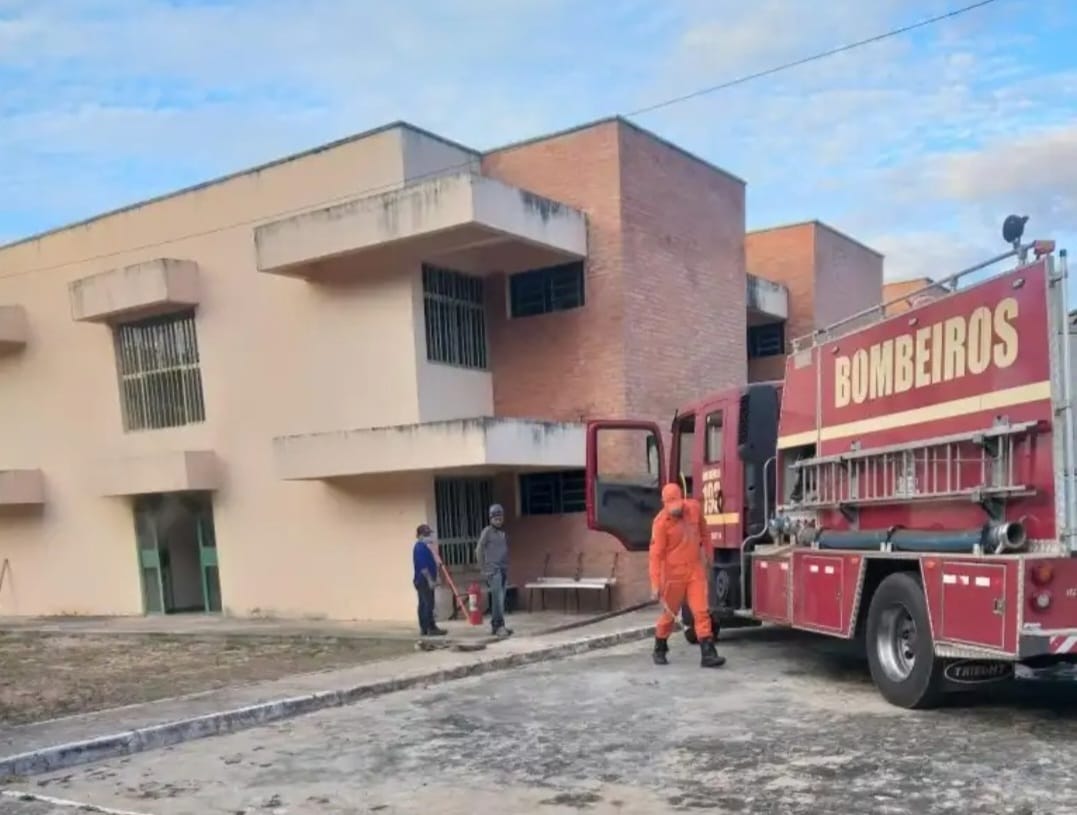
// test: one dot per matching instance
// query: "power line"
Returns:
(373, 190)
(813, 58)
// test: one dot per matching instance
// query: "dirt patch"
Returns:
(44, 675)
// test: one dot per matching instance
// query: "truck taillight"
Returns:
(1041, 600)
(1043, 574)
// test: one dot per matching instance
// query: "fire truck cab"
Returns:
(910, 483)
(721, 452)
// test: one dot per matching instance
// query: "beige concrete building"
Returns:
(244, 396)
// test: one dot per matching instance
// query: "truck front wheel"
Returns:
(901, 652)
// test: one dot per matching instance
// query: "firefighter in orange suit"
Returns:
(678, 570)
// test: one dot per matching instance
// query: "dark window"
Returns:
(460, 506)
(556, 493)
(766, 340)
(455, 318)
(713, 453)
(541, 291)
(160, 378)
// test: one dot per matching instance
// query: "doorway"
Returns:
(177, 553)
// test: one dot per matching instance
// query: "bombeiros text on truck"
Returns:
(910, 483)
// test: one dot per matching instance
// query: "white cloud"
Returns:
(1032, 173)
(1039, 168)
(931, 253)
(111, 101)
(917, 145)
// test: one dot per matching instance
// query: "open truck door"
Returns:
(625, 474)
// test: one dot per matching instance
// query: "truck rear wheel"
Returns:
(901, 652)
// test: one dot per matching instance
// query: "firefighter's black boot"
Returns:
(709, 658)
(661, 648)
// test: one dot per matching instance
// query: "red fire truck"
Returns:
(910, 484)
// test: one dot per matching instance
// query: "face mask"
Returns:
(678, 512)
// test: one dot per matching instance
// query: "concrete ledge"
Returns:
(456, 444)
(146, 289)
(14, 328)
(424, 220)
(22, 487)
(769, 299)
(173, 471)
(61, 756)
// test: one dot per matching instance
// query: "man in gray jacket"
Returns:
(492, 554)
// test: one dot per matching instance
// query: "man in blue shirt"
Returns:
(424, 580)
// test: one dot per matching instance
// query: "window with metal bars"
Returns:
(766, 340)
(455, 315)
(461, 506)
(160, 378)
(542, 291)
(556, 493)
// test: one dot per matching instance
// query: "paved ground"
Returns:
(787, 727)
(13, 806)
(413, 666)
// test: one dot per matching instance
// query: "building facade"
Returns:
(243, 397)
(828, 276)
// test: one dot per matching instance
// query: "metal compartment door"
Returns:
(817, 598)
(770, 588)
(974, 604)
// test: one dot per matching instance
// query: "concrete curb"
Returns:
(49, 759)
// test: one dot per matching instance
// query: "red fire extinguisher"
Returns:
(474, 610)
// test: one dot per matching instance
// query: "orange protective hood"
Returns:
(672, 497)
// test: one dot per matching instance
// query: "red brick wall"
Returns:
(567, 365)
(848, 277)
(663, 323)
(786, 255)
(829, 277)
(685, 285)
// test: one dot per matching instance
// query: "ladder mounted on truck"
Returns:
(979, 466)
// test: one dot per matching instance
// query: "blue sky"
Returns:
(918, 145)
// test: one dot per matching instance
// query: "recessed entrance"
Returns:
(177, 553)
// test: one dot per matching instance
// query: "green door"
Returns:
(149, 558)
(207, 557)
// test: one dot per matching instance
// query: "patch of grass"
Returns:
(47, 675)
